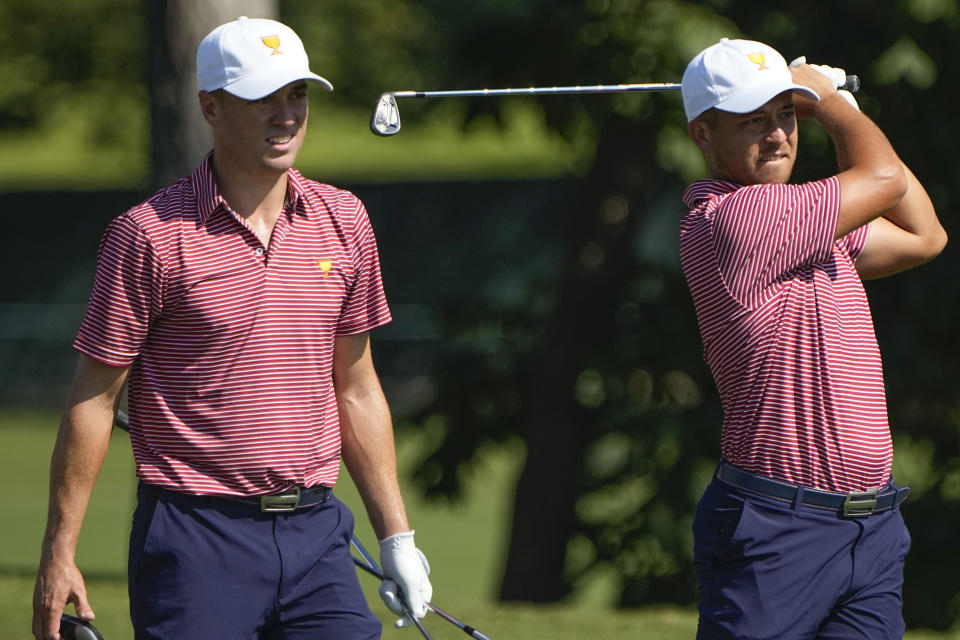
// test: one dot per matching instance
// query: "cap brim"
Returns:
(751, 99)
(259, 85)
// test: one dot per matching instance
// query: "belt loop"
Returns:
(798, 498)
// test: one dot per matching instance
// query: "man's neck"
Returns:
(250, 195)
(258, 199)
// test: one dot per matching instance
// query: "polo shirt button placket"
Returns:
(259, 252)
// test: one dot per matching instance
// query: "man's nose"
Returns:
(286, 113)
(777, 134)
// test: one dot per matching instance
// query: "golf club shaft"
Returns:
(368, 565)
(385, 120)
(852, 84)
(371, 563)
(597, 88)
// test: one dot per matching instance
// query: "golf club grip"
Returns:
(852, 84)
(121, 420)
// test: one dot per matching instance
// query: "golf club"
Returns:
(385, 120)
(370, 566)
(73, 628)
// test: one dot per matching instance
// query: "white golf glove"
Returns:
(405, 569)
(835, 74)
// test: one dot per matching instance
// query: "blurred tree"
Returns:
(95, 63)
(179, 137)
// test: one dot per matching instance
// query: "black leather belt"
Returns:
(847, 505)
(290, 500)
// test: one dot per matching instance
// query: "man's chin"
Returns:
(280, 164)
(775, 172)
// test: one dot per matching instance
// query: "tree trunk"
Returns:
(559, 428)
(179, 137)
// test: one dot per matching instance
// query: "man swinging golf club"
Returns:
(236, 306)
(799, 534)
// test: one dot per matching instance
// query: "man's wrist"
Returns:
(58, 549)
(833, 105)
(398, 540)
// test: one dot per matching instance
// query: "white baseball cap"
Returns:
(251, 58)
(739, 76)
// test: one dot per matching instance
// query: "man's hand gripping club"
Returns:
(836, 75)
(405, 569)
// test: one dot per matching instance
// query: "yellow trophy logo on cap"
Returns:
(758, 59)
(273, 42)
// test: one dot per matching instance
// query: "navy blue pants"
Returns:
(203, 567)
(769, 569)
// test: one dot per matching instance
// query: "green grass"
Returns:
(68, 153)
(465, 544)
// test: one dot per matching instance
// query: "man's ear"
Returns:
(209, 106)
(701, 134)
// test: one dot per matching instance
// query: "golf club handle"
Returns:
(122, 420)
(852, 84)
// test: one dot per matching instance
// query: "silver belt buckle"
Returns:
(280, 502)
(859, 505)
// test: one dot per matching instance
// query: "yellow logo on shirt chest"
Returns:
(325, 266)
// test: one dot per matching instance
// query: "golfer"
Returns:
(235, 306)
(799, 534)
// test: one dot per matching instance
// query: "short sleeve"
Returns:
(366, 306)
(854, 242)
(765, 232)
(126, 295)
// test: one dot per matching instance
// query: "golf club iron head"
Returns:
(386, 117)
(72, 628)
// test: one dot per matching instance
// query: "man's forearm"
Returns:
(859, 142)
(78, 455)
(915, 213)
(871, 176)
(81, 447)
(370, 457)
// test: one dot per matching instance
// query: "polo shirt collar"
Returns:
(296, 192)
(208, 198)
(703, 189)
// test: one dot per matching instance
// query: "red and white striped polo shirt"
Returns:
(787, 332)
(230, 342)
